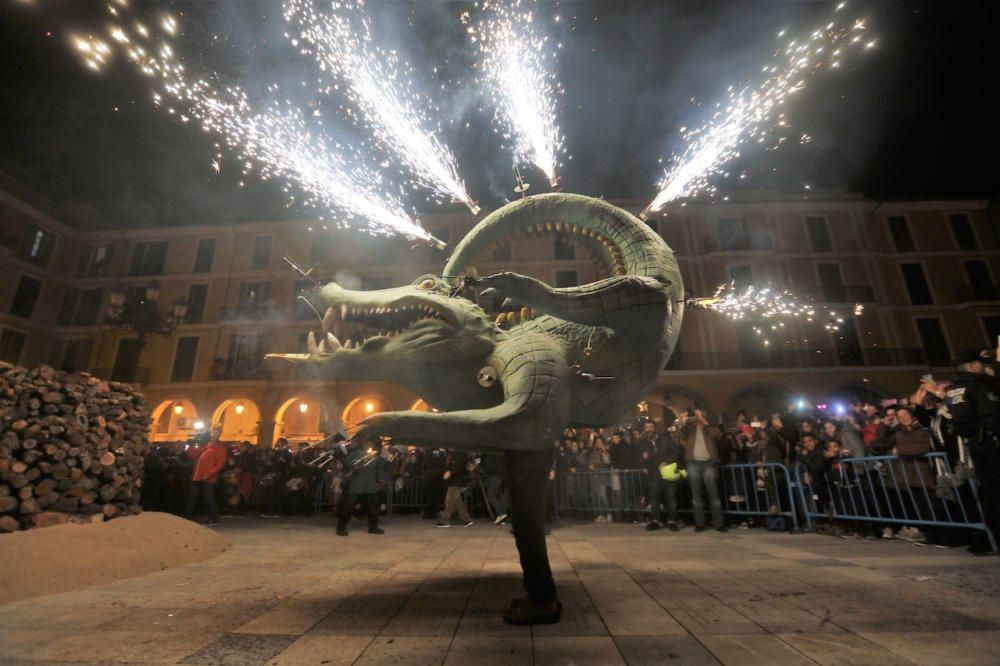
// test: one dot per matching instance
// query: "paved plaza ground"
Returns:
(291, 592)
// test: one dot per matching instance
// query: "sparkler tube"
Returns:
(440, 244)
(646, 212)
(473, 208)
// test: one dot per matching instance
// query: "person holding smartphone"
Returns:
(701, 455)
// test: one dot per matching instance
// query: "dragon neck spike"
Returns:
(618, 238)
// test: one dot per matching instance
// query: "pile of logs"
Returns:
(71, 447)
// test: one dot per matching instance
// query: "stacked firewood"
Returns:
(71, 447)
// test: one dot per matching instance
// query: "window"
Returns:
(75, 355)
(26, 297)
(126, 360)
(37, 245)
(916, 284)
(502, 252)
(832, 283)
(261, 253)
(90, 307)
(254, 294)
(564, 250)
(68, 308)
(819, 233)
(933, 341)
(148, 258)
(980, 281)
(899, 228)
(732, 234)
(566, 279)
(961, 228)
(742, 277)
(11, 345)
(196, 298)
(184, 358)
(301, 310)
(206, 254)
(99, 261)
(992, 325)
(244, 355)
(319, 248)
(845, 339)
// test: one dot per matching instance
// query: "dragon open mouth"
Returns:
(356, 326)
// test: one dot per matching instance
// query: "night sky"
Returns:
(912, 118)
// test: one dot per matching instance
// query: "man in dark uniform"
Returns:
(974, 402)
(362, 477)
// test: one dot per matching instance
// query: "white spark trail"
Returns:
(749, 112)
(379, 83)
(515, 67)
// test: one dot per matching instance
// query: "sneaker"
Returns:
(376, 530)
(341, 531)
(528, 613)
(501, 519)
(721, 528)
(672, 527)
(652, 526)
(609, 519)
(699, 528)
(599, 519)
(887, 533)
(469, 524)
(440, 524)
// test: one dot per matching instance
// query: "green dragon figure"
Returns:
(585, 358)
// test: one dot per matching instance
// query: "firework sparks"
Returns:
(273, 139)
(515, 65)
(749, 113)
(379, 83)
(767, 308)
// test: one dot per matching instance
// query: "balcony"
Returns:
(748, 243)
(977, 293)
(841, 294)
(792, 359)
(224, 369)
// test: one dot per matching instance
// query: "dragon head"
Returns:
(406, 335)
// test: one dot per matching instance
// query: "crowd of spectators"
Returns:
(844, 455)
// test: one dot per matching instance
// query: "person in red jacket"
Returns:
(208, 462)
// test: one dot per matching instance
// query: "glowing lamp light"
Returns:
(239, 408)
(801, 404)
(303, 407)
(199, 425)
(369, 407)
(178, 409)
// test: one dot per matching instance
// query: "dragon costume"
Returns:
(580, 356)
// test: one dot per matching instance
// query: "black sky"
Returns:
(913, 118)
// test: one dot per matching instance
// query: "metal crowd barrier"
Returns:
(914, 491)
(745, 490)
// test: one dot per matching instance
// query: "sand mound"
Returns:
(69, 557)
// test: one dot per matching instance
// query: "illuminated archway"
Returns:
(361, 407)
(173, 421)
(421, 406)
(239, 419)
(299, 419)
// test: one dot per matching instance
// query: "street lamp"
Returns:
(144, 317)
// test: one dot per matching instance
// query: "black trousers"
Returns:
(528, 472)
(347, 501)
(986, 458)
(207, 490)
(660, 491)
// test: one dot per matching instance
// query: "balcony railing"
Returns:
(748, 243)
(224, 369)
(973, 293)
(800, 358)
(842, 294)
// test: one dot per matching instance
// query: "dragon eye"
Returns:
(427, 283)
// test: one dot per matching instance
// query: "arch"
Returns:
(239, 419)
(300, 418)
(759, 400)
(173, 420)
(362, 406)
(421, 406)
(680, 398)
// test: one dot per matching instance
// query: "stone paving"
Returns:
(291, 592)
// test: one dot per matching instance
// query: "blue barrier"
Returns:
(916, 490)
